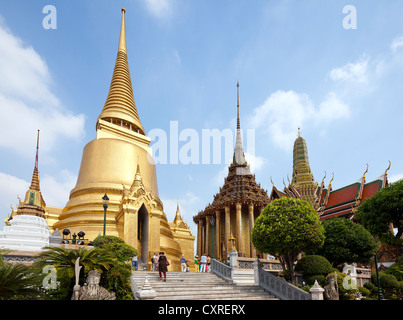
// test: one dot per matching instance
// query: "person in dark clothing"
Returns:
(163, 265)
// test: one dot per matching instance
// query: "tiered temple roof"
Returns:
(343, 202)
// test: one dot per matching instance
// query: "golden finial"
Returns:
(299, 132)
(271, 181)
(122, 39)
(388, 167)
(366, 170)
(330, 183)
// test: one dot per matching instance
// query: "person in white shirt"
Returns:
(203, 263)
(154, 261)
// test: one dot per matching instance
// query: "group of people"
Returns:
(202, 265)
(159, 263)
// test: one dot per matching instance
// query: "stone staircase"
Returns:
(199, 286)
(244, 277)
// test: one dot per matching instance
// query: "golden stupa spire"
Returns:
(122, 39)
(120, 108)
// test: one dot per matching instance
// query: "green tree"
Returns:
(64, 261)
(117, 279)
(384, 208)
(396, 269)
(19, 282)
(346, 241)
(286, 227)
(117, 246)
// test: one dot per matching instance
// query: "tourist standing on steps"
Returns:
(154, 262)
(134, 262)
(208, 263)
(203, 265)
(183, 263)
(197, 263)
(163, 264)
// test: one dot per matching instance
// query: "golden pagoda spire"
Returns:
(35, 176)
(120, 107)
(33, 203)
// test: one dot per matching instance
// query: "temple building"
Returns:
(118, 164)
(227, 222)
(26, 228)
(342, 202)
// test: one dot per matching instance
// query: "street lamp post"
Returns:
(380, 296)
(105, 201)
(212, 222)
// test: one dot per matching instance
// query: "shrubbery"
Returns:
(314, 267)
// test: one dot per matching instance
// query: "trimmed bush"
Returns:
(364, 291)
(313, 264)
(314, 267)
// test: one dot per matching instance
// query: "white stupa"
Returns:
(27, 229)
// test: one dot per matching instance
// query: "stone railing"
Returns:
(279, 287)
(222, 270)
(266, 264)
(363, 276)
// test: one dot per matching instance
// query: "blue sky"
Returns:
(296, 63)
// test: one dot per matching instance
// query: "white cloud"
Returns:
(27, 102)
(159, 8)
(352, 72)
(10, 188)
(331, 108)
(218, 179)
(284, 111)
(396, 43)
(395, 177)
(56, 192)
(255, 162)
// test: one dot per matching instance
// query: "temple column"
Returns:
(217, 235)
(130, 224)
(251, 224)
(227, 232)
(239, 227)
(199, 237)
(207, 251)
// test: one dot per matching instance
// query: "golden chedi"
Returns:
(119, 163)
